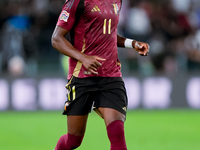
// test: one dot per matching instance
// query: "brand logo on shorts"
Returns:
(125, 109)
(64, 16)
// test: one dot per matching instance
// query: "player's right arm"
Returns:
(59, 42)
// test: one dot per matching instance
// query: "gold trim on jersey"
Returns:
(77, 69)
(96, 8)
(119, 64)
(79, 64)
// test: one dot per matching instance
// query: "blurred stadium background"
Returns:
(163, 88)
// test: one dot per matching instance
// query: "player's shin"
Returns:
(115, 131)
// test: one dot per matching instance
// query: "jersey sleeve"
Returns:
(66, 19)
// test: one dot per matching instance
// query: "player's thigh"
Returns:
(111, 101)
(109, 115)
(76, 125)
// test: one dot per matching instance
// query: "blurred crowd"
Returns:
(26, 27)
(171, 27)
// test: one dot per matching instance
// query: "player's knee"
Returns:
(110, 115)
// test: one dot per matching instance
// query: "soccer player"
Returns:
(94, 74)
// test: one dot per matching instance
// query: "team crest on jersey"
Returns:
(64, 16)
(116, 9)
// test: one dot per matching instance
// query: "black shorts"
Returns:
(83, 93)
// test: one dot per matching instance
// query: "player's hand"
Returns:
(142, 48)
(92, 63)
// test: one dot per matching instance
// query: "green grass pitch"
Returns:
(145, 130)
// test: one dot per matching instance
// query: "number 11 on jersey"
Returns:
(105, 26)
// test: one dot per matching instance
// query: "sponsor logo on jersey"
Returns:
(96, 8)
(64, 16)
(116, 9)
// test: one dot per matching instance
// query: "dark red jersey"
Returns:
(94, 34)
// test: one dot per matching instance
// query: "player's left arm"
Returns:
(141, 47)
